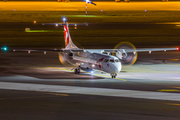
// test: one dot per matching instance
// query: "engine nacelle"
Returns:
(121, 54)
(65, 57)
(126, 58)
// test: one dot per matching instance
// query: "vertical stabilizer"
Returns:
(68, 41)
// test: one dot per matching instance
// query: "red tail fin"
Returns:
(66, 35)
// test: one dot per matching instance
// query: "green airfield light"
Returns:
(4, 49)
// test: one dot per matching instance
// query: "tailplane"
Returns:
(68, 41)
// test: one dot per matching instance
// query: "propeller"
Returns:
(128, 58)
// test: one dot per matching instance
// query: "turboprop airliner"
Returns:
(106, 60)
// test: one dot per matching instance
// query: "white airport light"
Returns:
(64, 19)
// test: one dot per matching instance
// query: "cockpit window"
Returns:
(117, 60)
(111, 60)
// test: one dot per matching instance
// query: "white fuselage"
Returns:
(88, 61)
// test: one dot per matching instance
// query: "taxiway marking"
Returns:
(172, 104)
(168, 90)
(91, 91)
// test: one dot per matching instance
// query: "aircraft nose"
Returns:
(116, 67)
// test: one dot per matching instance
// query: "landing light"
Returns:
(93, 65)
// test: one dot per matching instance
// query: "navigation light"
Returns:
(4, 48)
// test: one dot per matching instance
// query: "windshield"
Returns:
(117, 60)
(106, 60)
(111, 60)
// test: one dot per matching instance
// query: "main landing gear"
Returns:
(77, 70)
(113, 75)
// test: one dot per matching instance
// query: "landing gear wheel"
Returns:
(113, 75)
(76, 71)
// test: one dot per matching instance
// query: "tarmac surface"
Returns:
(37, 86)
(80, 6)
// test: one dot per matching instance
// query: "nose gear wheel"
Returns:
(77, 70)
(113, 75)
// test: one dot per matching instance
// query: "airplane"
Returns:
(105, 60)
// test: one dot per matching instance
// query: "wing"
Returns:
(131, 50)
(151, 49)
(96, 50)
(43, 50)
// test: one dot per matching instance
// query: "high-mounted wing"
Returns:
(151, 49)
(131, 50)
(95, 50)
(42, 50)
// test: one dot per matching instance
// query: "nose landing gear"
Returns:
(113, 75)
(77, 70)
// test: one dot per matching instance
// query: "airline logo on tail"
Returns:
(66, 35)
